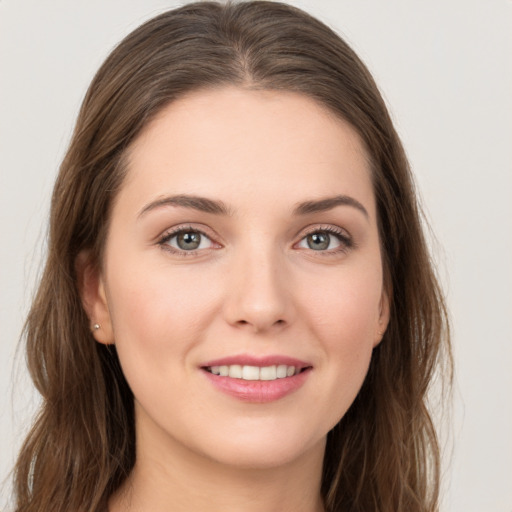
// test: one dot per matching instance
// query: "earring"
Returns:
(96, 326)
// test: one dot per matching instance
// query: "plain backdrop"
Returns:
(445, 69)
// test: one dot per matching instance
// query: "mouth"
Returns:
(256, 379)
(262, 373)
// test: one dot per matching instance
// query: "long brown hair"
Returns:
(383, 455)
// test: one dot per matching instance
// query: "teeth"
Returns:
(281, 371)
(268, 373)
(250, 373)
(236, 371)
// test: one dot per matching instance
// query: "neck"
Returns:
(177, 479)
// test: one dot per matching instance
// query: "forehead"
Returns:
(237, 142)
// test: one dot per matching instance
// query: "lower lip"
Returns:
(258, 391)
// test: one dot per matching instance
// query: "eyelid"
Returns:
(170, 233)
(346, 240)
(331, 228)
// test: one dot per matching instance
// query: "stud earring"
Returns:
(96, 326)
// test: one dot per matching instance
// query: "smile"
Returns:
(257, 379)
(246, 372)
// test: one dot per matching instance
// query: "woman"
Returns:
(238, 309)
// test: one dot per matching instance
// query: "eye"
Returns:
(186, 240)
(325, 240)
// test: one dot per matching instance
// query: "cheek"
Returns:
(158, 315)
(348, 335)
(345, 307)
(343, 316)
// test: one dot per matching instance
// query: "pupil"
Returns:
(318, 241)
(189, 241)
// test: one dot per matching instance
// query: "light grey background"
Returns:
(444, 67)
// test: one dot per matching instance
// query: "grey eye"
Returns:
(188, 240)
(323, 240)
(318, 241)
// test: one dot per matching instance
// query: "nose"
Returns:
(259, 297)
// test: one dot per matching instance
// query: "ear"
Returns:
(383, 319)
(91, 287)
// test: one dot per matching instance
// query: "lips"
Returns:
(257, 379)
(247, 372)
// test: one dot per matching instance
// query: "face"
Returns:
(242, 281)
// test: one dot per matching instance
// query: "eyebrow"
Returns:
(217, 207)
(328, 203)
(201, 204)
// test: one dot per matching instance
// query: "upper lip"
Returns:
(261, 361)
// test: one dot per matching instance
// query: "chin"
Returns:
(263, 448)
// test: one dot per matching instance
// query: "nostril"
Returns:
(257, 325)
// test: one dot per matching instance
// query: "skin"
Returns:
(254, 286)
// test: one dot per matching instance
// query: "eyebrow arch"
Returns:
(216, 207)
(202, 204)
(322, 205)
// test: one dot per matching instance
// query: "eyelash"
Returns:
(168, 235)
(346, 241)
